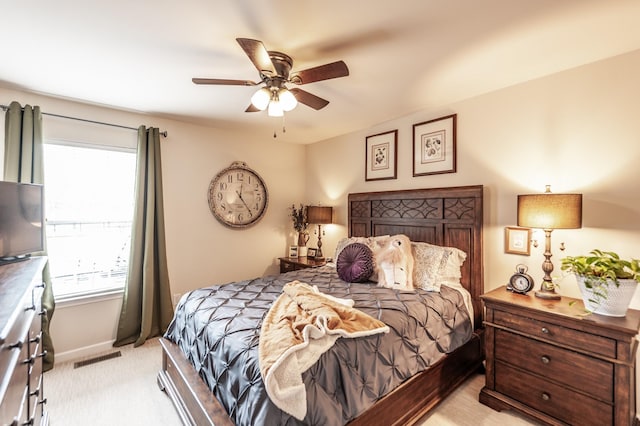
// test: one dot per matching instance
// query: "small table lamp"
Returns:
(319, 215)
(548, 212)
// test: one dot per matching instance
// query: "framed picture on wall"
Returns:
(434, 146)
(517, 240)
(381, 156)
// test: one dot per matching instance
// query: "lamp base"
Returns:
(548, 294)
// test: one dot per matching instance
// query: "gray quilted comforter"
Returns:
(218, 329)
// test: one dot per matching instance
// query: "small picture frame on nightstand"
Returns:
(311, 253)
(293, 252)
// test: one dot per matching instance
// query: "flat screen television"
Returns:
(21, 220)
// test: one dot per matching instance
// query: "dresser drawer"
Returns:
(13, 389)
(287, 267)
(551, 362)
(562, 403)
(567, 337)
(17, 338)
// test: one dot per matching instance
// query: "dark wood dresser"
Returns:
(21, 390)
(547, 359)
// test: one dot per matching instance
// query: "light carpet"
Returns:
(123, 391)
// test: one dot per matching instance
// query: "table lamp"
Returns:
(320, 215)
(548, 212)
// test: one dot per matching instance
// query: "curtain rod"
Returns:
(163, 133)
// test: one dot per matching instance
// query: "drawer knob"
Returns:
(545, 396)
(17, 345)
(545, 359)
(544, 330)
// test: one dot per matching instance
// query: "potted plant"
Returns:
(606, 281)
(300, 224)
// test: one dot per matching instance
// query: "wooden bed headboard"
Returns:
(442, 216)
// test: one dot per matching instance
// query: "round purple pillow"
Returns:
(355, 263)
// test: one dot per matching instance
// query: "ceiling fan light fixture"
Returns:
(275, 109)
(287, 99)
(261, 98)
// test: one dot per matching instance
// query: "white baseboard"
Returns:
(86, 352)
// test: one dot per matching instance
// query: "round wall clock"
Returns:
(520, 282)
(238, 196)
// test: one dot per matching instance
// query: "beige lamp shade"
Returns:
(550, 211)
(319, 214)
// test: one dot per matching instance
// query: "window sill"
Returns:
(85, 298)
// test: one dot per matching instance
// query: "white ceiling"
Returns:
(403, 55)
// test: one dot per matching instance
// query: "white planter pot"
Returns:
(617, 301)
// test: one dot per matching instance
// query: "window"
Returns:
(89, 195)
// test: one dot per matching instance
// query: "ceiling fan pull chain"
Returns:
(284, 129)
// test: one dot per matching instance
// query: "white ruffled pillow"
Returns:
(436, 265)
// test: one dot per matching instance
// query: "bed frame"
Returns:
(442, 216)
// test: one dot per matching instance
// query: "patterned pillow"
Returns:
(355, 263)
(436, 265)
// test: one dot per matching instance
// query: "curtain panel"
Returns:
(146, 306)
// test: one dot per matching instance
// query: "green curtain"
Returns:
(23, 162)
(146, 306)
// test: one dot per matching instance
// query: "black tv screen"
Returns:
(21, 220)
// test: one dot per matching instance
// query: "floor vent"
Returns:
(96, 359)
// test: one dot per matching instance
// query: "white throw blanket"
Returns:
(301, 325)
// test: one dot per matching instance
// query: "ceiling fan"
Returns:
(275, 72)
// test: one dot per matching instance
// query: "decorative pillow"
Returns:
(435, 265)
(355, 263)
(374, 243)
(394, 262)
(371, 242)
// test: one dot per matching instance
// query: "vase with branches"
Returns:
(300, 224)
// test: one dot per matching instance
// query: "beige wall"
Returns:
(578, 131)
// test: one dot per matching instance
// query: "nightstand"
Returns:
(548, 360)
(288, 264)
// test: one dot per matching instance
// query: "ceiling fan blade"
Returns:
(258, 54)
(309, 99)
(251, 108)
(224, 82)
(322, 72)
